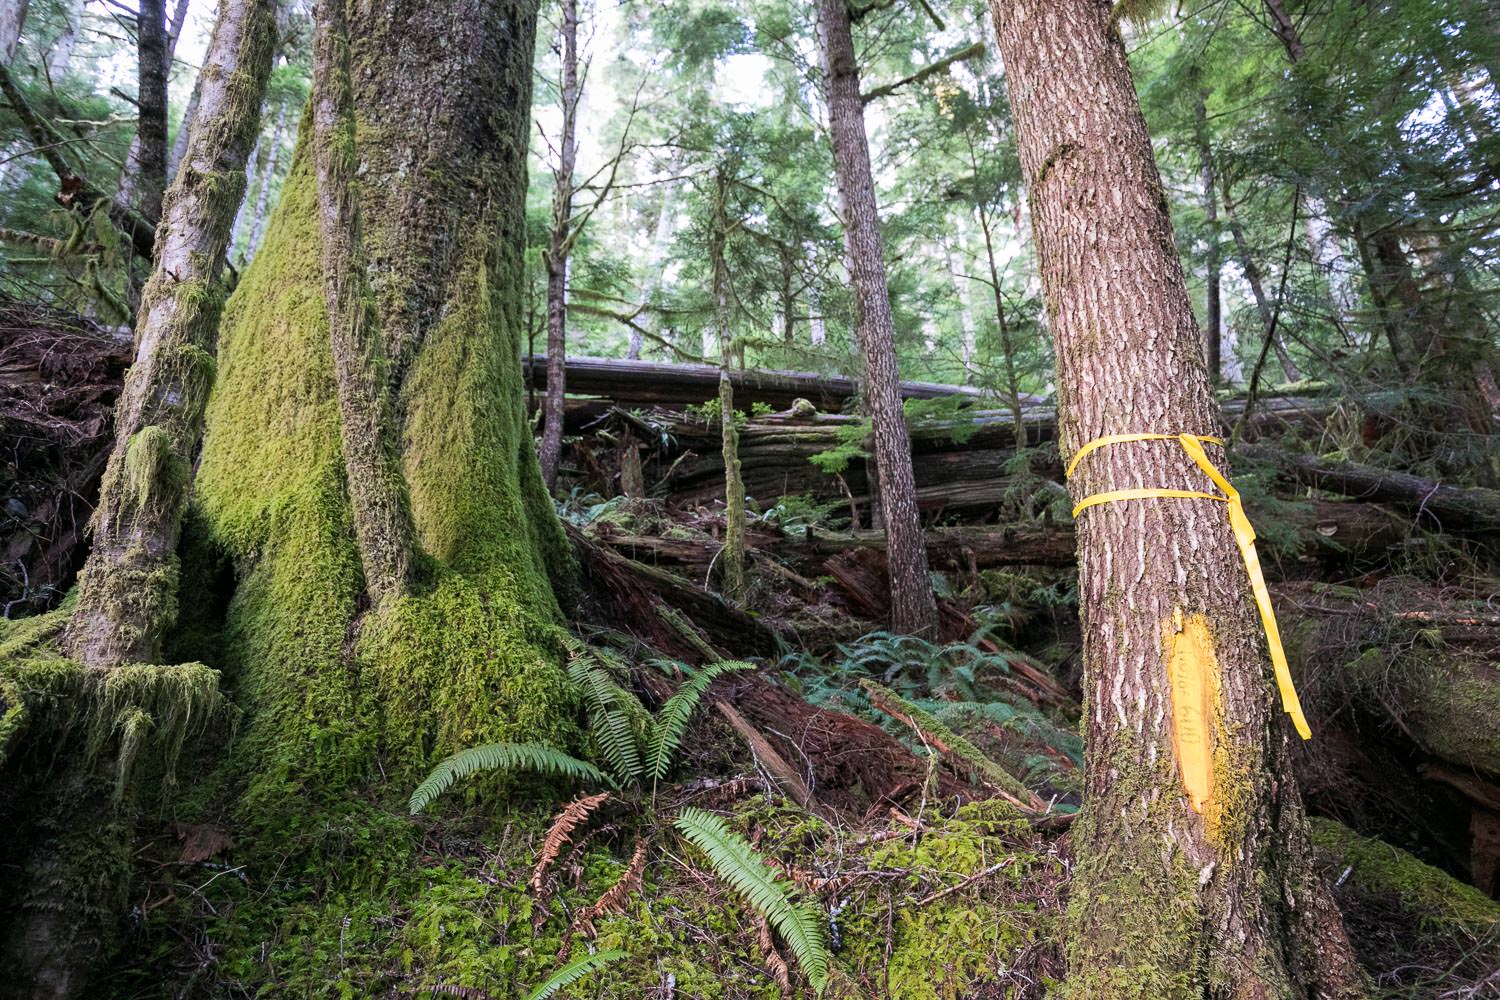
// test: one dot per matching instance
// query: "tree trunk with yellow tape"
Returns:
(1194, 874)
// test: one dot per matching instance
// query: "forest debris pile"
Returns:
(59, 378)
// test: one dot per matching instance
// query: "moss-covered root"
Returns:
(74, 743)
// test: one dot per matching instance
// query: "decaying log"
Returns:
(1324, 531)
(1410, 654)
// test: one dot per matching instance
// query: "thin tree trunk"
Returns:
(1412, 335)
(1285, 30)
(377, 489)
(252, 171)
(1323, 244)
(145, 175)
(732, 555)
(1263, 307)
(913, 608)
(653, 281)
(558, 249)
(263, 185)
(12, 21)
(59, 57)
(1213, 308)
(788, 262)
(174, 32)
(185, 129)
(1213, 897)
(965, 316)
(127, 595)
(1007, 345)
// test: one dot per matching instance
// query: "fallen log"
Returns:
(596, 385)
(1451, 508)
(658, 382)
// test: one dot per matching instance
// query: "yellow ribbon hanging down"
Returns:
(1244, 536)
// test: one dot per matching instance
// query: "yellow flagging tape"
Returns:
(1244, 536)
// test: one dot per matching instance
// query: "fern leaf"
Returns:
(613, 715)
(536, 757)
(739, 864)
(671, 722)
(614, 898)
(574, 971)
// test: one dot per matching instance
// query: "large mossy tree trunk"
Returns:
(440, 94)
(913, 607)
(1173, 896)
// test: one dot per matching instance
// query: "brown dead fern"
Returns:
(775, 964)
(614, 898)
(560, 833)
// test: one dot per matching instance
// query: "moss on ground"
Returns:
(402, 907)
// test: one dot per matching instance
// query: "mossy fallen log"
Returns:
(1434, 504)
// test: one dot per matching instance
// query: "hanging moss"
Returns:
(154, 475)
(120, 711)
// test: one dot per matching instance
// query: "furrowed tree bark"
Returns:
(1167, 901)
(913, 608)
(127, 592)
(377, 488)
(559, 246)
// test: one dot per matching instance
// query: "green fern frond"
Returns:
(536, 757)
(574, 971)
(672, 720)
(616, 716)
(739, 864)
